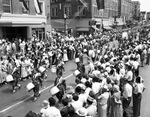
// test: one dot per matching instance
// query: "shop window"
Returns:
(41, 4)
(7, 6)
(83, 12)
(38, 33)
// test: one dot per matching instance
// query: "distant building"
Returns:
(82, 15)
(136, 10)
(125, 9)
(148, 16)
(142, 15)
(20, 18)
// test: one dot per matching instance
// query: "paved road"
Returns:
(145, 107)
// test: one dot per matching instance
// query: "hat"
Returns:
(83, 80)
(45, 103)
(82, 86)
(70, 90)
(82, 111)
(91, 99)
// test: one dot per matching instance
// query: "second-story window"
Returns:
(25, 7)
(67, 10)
(81, 11)
(54, 11)
(7, 6)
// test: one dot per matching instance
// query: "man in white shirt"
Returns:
(127, 94)
(129, 75)
(96, 86)
(76, 103)
(52, 111)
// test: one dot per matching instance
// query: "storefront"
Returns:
(39, 33)
(20, 26)
(14, 32)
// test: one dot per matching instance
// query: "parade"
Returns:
(74, 58)
(106, 84)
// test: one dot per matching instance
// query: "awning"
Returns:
(95, 28)
(107, 27)
(19, 24)
(83, 29)
(58, 23)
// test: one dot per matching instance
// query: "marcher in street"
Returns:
(137, 96)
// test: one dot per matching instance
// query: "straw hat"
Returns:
(82, 112)
(45, 103)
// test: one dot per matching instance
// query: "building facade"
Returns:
(22, 18)
(81, 15)
(125, 9)
(136, 10)
(148, 17)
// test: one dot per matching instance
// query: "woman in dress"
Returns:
(24, 72)
(116, 104)
(102, 103)
(65, 56)
(137, 96)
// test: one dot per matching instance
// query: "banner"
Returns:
(24, 5)
(37, 6)
(100, 4)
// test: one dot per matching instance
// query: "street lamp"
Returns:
(65, 24)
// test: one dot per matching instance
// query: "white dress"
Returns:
(65, 57)
(24, 72)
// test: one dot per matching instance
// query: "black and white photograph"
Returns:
(74, 58)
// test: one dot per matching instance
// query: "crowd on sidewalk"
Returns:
(104, 88)
(108, 84)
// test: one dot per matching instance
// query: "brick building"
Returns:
(20, 18)
(116, 11)
(125, 9)
(136, 10)
(82, 15)
(148, 16)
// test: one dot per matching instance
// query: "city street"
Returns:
(18, 104)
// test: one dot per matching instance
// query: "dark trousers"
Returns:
(147, 60)
(126, 103)
(15, 83)
(136, 104)
(36, 90)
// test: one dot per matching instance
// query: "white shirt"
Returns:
(43, 110)
(51, 112)
(18, 62)
(92, 110)
(83, 97)
(91, 67)
(122, 72)
(127, 91)
(129, 75)
(96, 73)
(77, 104)
(135, 64)
(96, 87)
(139, 88)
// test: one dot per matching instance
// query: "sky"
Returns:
(145, 5)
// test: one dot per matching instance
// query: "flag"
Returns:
(37, 6)
(24, 5)
(100, 4)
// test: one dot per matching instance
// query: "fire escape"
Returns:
(79, 11)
